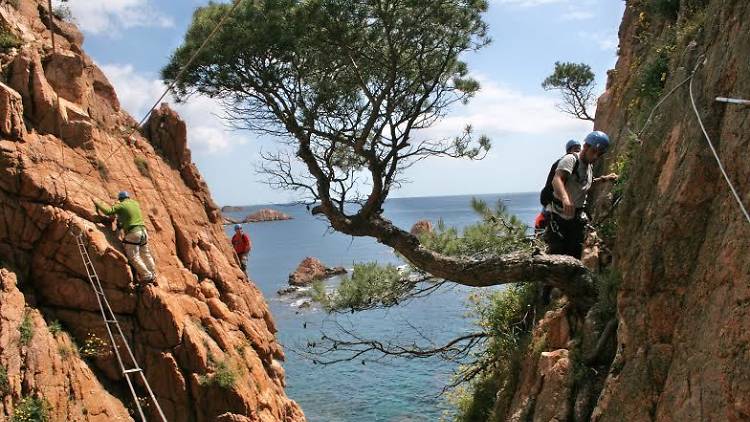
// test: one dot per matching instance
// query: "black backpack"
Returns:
(547, 195)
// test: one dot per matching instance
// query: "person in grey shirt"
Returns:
(571, 183)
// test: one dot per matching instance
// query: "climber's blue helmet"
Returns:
(597, 140)
(572, 144)
(237, 227)
(123, 195)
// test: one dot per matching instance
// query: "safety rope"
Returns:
(169, 87)
(713, 150)
(690, 79)
(57, 107)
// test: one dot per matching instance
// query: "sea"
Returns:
(371, 387)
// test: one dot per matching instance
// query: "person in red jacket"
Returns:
(242, 245)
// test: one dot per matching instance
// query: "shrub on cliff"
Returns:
(142, 165)
(4, 385)
(26, 329)
(31, 409)
(8, 39)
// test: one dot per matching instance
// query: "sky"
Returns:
(131, 40)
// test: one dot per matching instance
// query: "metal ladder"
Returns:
(111, 320)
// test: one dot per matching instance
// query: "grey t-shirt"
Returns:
(577, 185)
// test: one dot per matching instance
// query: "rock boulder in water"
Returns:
(310, 270)
(266, 214)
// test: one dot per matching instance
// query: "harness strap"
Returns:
(142, 242)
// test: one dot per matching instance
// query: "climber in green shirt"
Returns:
(130, 218)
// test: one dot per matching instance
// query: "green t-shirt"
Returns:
(128, 213)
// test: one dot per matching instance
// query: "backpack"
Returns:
(548, 192)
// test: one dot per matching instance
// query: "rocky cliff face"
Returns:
(680, 245)
(203, 335)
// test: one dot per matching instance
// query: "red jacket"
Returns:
(241, 243)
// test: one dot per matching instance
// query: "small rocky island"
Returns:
(265, 214)
(309, 271)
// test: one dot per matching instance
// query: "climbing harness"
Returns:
(110, 321)
(142, 242)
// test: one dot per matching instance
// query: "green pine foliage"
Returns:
(497, 233)
(373, 285)
(370, 284)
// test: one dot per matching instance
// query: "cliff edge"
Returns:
(204, 335)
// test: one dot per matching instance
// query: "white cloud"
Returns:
(529, 3)
(607, 41)
(206, 132)
(500, 111)
(109, 16)
(577, 15)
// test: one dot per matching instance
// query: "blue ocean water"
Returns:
(388, 390)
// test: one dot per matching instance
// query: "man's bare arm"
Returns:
(558, 184)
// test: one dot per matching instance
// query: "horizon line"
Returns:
(388, 199)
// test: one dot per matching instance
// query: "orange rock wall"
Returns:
(683, 247)
(64, 141)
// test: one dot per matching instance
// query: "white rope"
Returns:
(192, 58)
(716, 155)
(171, 85)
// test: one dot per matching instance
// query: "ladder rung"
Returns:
(111, 321)
(130, 371)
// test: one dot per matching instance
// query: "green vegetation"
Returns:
(575, 81)
(372, 285)
(224, 375)
(654, 75)
(607, 284)
(623, 164)
(54, 327)
(368, 285)
(474, 402)
(4, 383)
(497, 233)
(66, 351)
(26, 329)
(93, 347)
(142, 166)
(506, 316)
(8, 39)
(31, 409)
(666, 8)
(103, 171)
